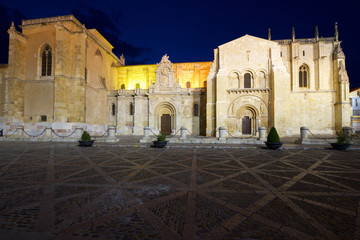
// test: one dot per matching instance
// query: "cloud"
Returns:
(108, 24)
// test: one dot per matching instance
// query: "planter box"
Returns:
(158, 144)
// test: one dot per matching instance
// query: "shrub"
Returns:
(161, 137)
(342, 137)
(85, 136)
(273, 136)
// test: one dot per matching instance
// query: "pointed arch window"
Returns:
(247, 80)
(46, 61)
(303, 76)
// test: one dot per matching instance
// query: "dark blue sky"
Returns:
(189, 30)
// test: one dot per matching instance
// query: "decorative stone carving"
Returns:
(343, 76)
(165, 77)
(338, 52)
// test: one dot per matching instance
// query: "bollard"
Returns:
(79, 132)
(304, 133)
(111, 131)
(183, 133)
(146, 133)
(222, 132)
(262, 134)
(48, 132)
(19, 131)
(347, 131)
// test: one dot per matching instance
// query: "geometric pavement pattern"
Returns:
(61, 191)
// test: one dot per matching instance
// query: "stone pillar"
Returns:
(222, 132)
(304, 133)
(19, 131)
(183, 133)
(111, 131)
(146, 133)
(47, 132)
(79, 132)
(262, 134)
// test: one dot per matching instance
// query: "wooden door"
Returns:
(166, 124)
(246, 125)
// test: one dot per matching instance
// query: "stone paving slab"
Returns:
(62, 191)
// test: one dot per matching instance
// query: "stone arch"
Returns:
(242, 77)
(261, 79)
(247, 116)
(234, 79)
(165, 117)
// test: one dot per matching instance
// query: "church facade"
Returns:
(64, 76)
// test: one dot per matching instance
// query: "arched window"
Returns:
(196, 110)
(46, 61)
(204, 84)
(247, 80)
(113, 109)
(188, 85)
(122, 86)
(303, 76)
(137, 86)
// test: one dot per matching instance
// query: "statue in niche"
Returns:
(343, 76)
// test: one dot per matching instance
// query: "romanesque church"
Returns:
(65, 76)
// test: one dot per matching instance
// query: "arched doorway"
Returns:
(164, 117)
(247, 120)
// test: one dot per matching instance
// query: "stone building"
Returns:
(64, 76)
(355, 103)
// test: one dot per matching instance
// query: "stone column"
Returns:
(112, 131)
(183, 133)
(304, 133)
(222, 132)
(19, 131)
(146, 133)
(79, 132)
(262, 134)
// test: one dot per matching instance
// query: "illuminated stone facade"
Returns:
(63, 75)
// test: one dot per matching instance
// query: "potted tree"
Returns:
(161, 140)
(343, 141)
(86, 140)
(273, 139)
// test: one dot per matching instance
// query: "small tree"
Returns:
(85, 136)
(343, 137)
(161, 137)
(273, 136)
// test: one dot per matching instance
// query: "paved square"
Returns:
(61, 191)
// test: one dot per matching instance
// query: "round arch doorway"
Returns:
(165, 116)
(247, 120)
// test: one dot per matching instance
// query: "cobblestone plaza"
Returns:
(61, 191)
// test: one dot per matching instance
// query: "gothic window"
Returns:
(131, 108)
(188, 84)
(196, 110)
(137, 86)
(46, 61)
(303, 76)
(122, 86)
(113, 109)
(247, 80)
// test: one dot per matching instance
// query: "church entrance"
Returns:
(166, 124)
(246, 125)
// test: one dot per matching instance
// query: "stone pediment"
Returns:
(165, 77)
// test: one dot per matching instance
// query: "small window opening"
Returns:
(303, 53)
(196, 110)
(113, 109)
(43, 118)
(122, 86)
(280, 54)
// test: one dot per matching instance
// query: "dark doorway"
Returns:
(246, 125)
(166, 124)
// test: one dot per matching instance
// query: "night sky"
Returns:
(189, 30)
